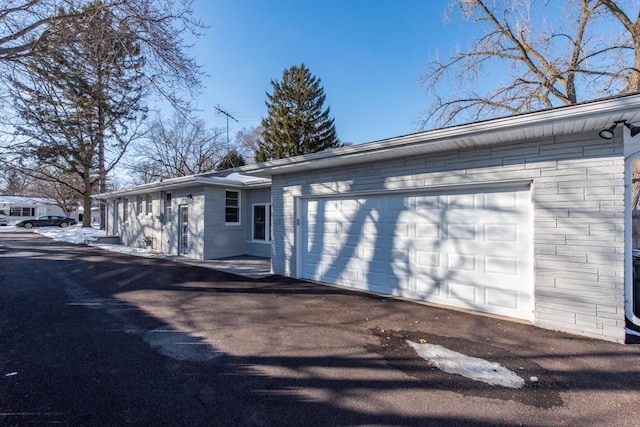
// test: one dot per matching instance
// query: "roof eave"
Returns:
(183, 182)
(455, 137)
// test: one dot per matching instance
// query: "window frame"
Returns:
(148, 209)
(238, 208)
(267, 223)
(168, 200)
(139, 203)
(22, 211)
(125, 210)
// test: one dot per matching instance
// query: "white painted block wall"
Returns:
(578, 202)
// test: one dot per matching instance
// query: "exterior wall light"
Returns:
(608, 132)
(634, 129)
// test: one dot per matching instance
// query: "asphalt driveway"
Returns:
(93, 337)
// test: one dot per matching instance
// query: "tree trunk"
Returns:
(86, 198)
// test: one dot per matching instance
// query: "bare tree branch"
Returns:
(181, 147)
(542, 66)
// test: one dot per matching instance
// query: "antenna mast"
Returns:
(229, 116)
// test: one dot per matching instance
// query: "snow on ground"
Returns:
(471, 367)
(79, 235)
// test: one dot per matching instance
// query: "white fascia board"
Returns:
(460, 136)
(185, 181)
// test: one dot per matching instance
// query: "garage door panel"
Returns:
(466, 293)
(462, 262)
(460, 201)
(426, 259)
(427, 231)
(469, 249)
(501, 298)
(501, 265)
(461, 232)
(499, 201)
(501, 232)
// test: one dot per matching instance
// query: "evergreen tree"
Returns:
(296, 122)
(232, 159)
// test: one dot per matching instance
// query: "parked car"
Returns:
(4, 220)
(47, 221)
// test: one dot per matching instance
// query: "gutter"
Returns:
(473, 134)
(185, 181)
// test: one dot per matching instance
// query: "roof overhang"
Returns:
(185, 182)
(585, 117)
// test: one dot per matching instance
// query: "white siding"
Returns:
(577, 187)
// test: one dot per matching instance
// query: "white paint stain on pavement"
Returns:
(180, 346)
(470, 367)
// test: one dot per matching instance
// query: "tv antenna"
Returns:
(229, 116)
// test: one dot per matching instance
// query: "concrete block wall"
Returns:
(577, 189)
(255, 248)
(222, 240)
(151, 233)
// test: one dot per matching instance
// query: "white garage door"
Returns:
(466, 249)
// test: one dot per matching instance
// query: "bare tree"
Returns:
(159, 27)
(13, 182)
(63, 191)
(181, 147)
(541, 62)
(248, 141)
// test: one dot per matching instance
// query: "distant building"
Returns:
(23, 207)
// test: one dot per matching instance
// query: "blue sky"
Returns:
(369, 56)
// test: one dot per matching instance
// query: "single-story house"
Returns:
(527, 216)
(207, 216)
(24, 207)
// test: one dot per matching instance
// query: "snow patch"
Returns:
(180, 346)
(80, 235)
(470, 367)
(74, 234)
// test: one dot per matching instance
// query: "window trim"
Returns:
(267, 223)
(238, 208)
(22, 210)
(139, 203)
(168, 208)
(125, 210)
(148, 209)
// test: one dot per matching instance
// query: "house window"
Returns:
(139, 205)
(125, 210)
(149, 205)
(167, 207)
(232, 207)
(20, 211)
(262, 222)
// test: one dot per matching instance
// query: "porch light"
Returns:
(634, 129)
(608, 132)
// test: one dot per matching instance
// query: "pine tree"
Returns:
(232, 159)
(296, 122)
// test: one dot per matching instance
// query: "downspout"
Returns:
(631, 151)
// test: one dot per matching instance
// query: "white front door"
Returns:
(470, 249)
